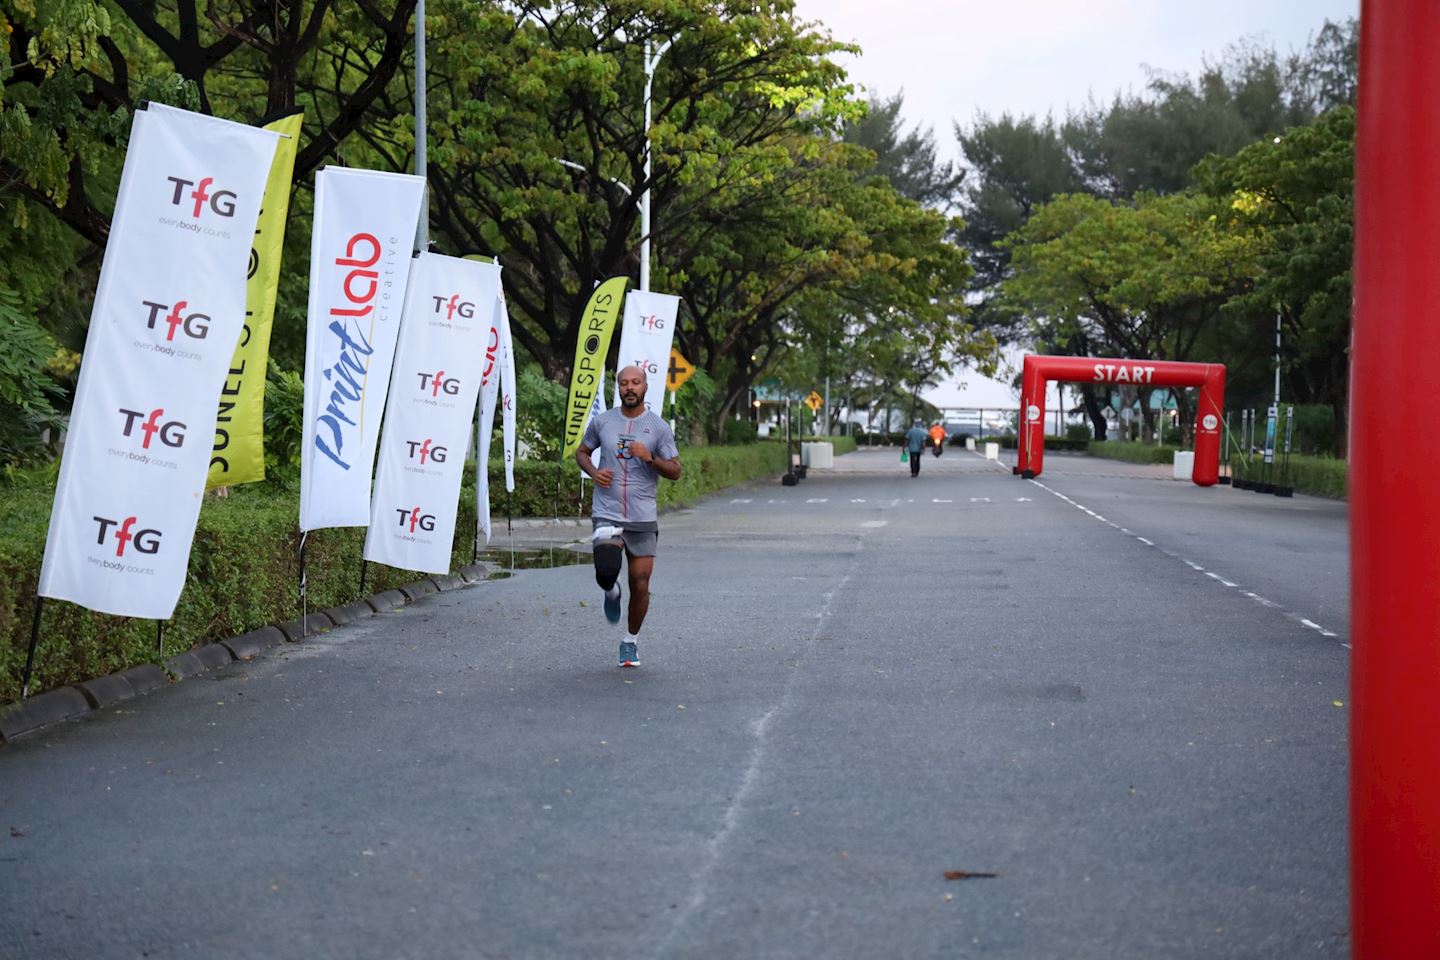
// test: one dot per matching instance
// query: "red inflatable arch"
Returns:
(1039, 371)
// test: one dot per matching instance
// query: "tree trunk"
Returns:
(1092, 409)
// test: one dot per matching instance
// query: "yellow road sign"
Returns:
(814, 401)
(679, 372)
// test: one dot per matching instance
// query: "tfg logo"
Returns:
(172, 432)
(453, 306)
(195, 325)
(146, 541)
(437, 382)
(652, 322)
(222, 202)
(421, 450)
(412, 517)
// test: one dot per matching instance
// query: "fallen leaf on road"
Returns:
(968, 875)
(16, 833)
(1338, 703)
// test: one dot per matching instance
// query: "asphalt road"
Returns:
(850, 687)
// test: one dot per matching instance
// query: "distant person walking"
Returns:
(937, 438)
(915, 440)
(636, 448)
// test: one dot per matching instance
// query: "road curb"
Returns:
(298, 629)
(247, 646)
(76, 700)
(104, 691)
(41, 710)
(386, 600)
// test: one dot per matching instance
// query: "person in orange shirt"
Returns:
(937, 438)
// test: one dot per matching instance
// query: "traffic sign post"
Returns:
(679, 371)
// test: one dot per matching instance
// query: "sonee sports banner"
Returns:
(497, 389)
(168, 311)
(446, 343)
(364, 232)
(239, 455)
(645, 337)
(592, 346)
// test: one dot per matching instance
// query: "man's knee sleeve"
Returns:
(608, 557)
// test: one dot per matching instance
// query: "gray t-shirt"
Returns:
(630, 499)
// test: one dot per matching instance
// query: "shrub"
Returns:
(1077, 431)
(1318, 476)
(1131, 452)
(739, 432)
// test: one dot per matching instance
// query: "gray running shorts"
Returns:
(638, 543)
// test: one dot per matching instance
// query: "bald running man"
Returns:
(636, 448)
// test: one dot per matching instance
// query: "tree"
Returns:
(907, 161)
(1143, 280)
(1294, 195)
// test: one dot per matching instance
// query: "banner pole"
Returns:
(303, 584)
(34, 640)
(160, 637)
(364, 571)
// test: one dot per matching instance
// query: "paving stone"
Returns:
(42, 710)
(446, 582)
(296, 630)
(254, 643)
(145, 678)
(386, 600)
(420, 588)
(103, 691)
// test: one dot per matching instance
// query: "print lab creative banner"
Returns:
(239, 455)
(168, 311)
(645, 337)
(359, 267)
(446, 344)
(492, 395)
(592, 346)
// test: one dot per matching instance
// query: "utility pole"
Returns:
(422, 230)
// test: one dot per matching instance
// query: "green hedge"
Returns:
(1318, 476)
(1007, 442)
(245, 563)
(1131, 452)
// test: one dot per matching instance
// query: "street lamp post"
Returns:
(422, 229)
(650, 63)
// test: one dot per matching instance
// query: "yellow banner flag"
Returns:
(239, 454)
(597, 325)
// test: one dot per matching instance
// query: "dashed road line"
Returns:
(1310, 624)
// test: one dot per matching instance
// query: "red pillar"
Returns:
(1031, 458)
(1394, 501)
(1209, 422)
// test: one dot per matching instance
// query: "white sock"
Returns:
(631, 637)
(614, 590)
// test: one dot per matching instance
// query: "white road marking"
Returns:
(937, 500)
(874, 523)
(861, 500)
(739, 501)
(1023, 500)
(979, 499)
(1192, 565)
(818, 500)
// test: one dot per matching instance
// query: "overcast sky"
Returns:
(954, 58)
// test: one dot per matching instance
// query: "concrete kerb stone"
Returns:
(420, 588)
(42, 710)
(145, 677)
(349, 613)
(186, 664)
(447, 582)
(475, 572)
(386, 600)
(103, 691)
(297, 629)
(250, 645)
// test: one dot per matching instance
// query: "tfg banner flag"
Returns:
(645, 335)
(446, 344)
(364, 231)
(592, 346)
(168, 311)
(497, 390)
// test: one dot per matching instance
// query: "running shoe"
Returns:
(612, 604)
(629, 656)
